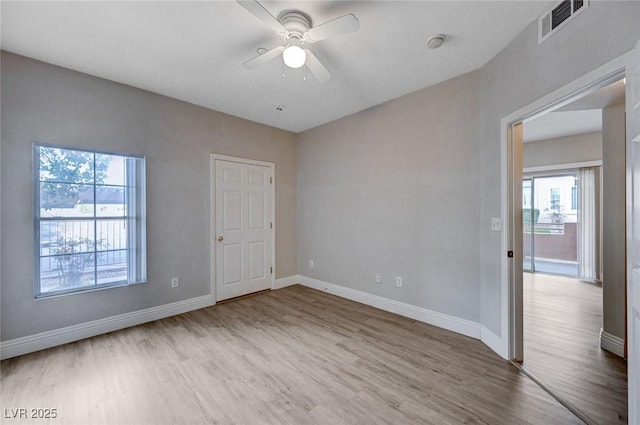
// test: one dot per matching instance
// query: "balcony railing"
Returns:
(544, 228)
(72, 256)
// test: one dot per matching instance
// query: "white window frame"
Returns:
(135, 218)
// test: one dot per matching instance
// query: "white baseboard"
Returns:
(494, 342)
(612, 343)
(283, 282)
(445, 321)
(31, 343)
(28, 344)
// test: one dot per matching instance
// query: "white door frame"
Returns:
(212, 213)
(633, 283)
(511, 344)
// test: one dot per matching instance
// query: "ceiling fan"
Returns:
(296, 30)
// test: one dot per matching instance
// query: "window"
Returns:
(555, 199)
(574, 198)
(89, 220)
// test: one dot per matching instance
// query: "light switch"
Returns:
(496, 224)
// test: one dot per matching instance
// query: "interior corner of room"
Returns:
(426, 217)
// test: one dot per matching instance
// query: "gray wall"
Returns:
(614, 218)
(409, 187)
(563, 150)
(523, 72)
(41, 102)
(394, 189)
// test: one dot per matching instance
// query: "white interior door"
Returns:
(633, 232)
(243, 227)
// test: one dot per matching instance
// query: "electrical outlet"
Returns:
(399, 281)
(175, 282)
(496, 224)
(312, 264)
(378, 278)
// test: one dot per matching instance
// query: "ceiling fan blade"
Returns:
(263, 58)
(342, 25)
(316, 67)
(257, 10)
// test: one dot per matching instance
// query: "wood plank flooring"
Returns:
(292, 356)
(562, 321)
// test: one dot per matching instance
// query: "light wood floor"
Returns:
(292, 356)
(562, 321)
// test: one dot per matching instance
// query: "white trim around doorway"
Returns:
(560, 97)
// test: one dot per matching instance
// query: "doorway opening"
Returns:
(558, 314)
(563, 187)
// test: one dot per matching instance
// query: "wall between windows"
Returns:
(45, 103)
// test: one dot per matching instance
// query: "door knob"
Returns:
(220, 238)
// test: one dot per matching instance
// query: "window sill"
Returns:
(76, 291)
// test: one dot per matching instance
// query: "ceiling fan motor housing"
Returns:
(297, 24)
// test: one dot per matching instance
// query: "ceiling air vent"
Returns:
(557, 17)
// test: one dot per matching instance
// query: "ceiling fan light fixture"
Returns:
(294, 56)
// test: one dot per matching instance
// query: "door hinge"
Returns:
(271, 271)
(271, 225)
(271, 180)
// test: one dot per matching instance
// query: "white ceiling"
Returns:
(584, 115)
(193, 51)
(610, 95)
(561, 124)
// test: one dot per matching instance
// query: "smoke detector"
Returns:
(436, 41)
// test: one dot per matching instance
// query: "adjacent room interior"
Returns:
(573, 195)
(298, 212)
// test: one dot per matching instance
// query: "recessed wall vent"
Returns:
(558, 17)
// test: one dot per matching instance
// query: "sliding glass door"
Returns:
(527, 220)
(550, 216)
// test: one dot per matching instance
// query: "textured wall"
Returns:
(563, 150)
(395, 190)
(44, 103)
